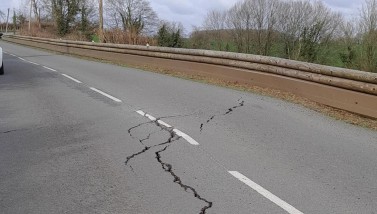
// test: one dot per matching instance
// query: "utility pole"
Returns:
(14, 22)
(39, 18)
(30, 15)
(101, 39)
(6, 28)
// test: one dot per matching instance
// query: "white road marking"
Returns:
(164, 124)
(11, 54)
(27, 61)
(153, 119)
(32, 62)
(267, 194)
(186, 137)
(141, 113)
(106, 95)
(51, 69)
(150, 117)
(22, 59)
(71, 78)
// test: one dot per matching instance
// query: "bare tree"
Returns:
(349, 32)
(264, 19)
(254, 18)
(136, 17)
(198, 39)
(306, 27)
(292, 18)
(252, 23)
(247, 22)
(37, 11)
(214, 24)
(235, 24)
(2, 16)
(368, 23)
(319, 28)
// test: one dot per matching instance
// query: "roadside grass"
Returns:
(95, 38)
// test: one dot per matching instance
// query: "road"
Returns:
(79, 136)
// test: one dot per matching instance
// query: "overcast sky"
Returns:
(191, 12)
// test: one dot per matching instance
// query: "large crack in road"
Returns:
(241, 103)
(165, 166)
(169, 168)
(146, 148)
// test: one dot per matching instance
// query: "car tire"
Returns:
(2, 69)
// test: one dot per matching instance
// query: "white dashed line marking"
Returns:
(146, 115)
(51, 69)
(11, 54)
(186, 137)
(27, 61)
(153, 119)
(141, 113)
(267, 194)
(164, 124)
(106, 95)
(71, 78)
(32, 62)
(150, 117)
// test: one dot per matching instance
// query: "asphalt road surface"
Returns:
(78, 136)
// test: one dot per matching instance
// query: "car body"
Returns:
(1, 62)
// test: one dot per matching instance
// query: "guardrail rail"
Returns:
(351, 90)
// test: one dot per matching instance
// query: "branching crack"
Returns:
(134, 127)
(241, 103)
(169, 168)
(174, 116)
(146, 148)
(136, 154)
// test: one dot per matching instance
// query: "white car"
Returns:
(1, 61)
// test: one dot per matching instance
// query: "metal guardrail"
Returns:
(350, 80)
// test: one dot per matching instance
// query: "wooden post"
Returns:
(30, 15)
(101, 35)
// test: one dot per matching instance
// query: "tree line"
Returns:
(305, 30)
(127, 21)
(299, 30)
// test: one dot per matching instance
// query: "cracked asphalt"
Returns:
(65, 148)
(166, 166)
(230, 110)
